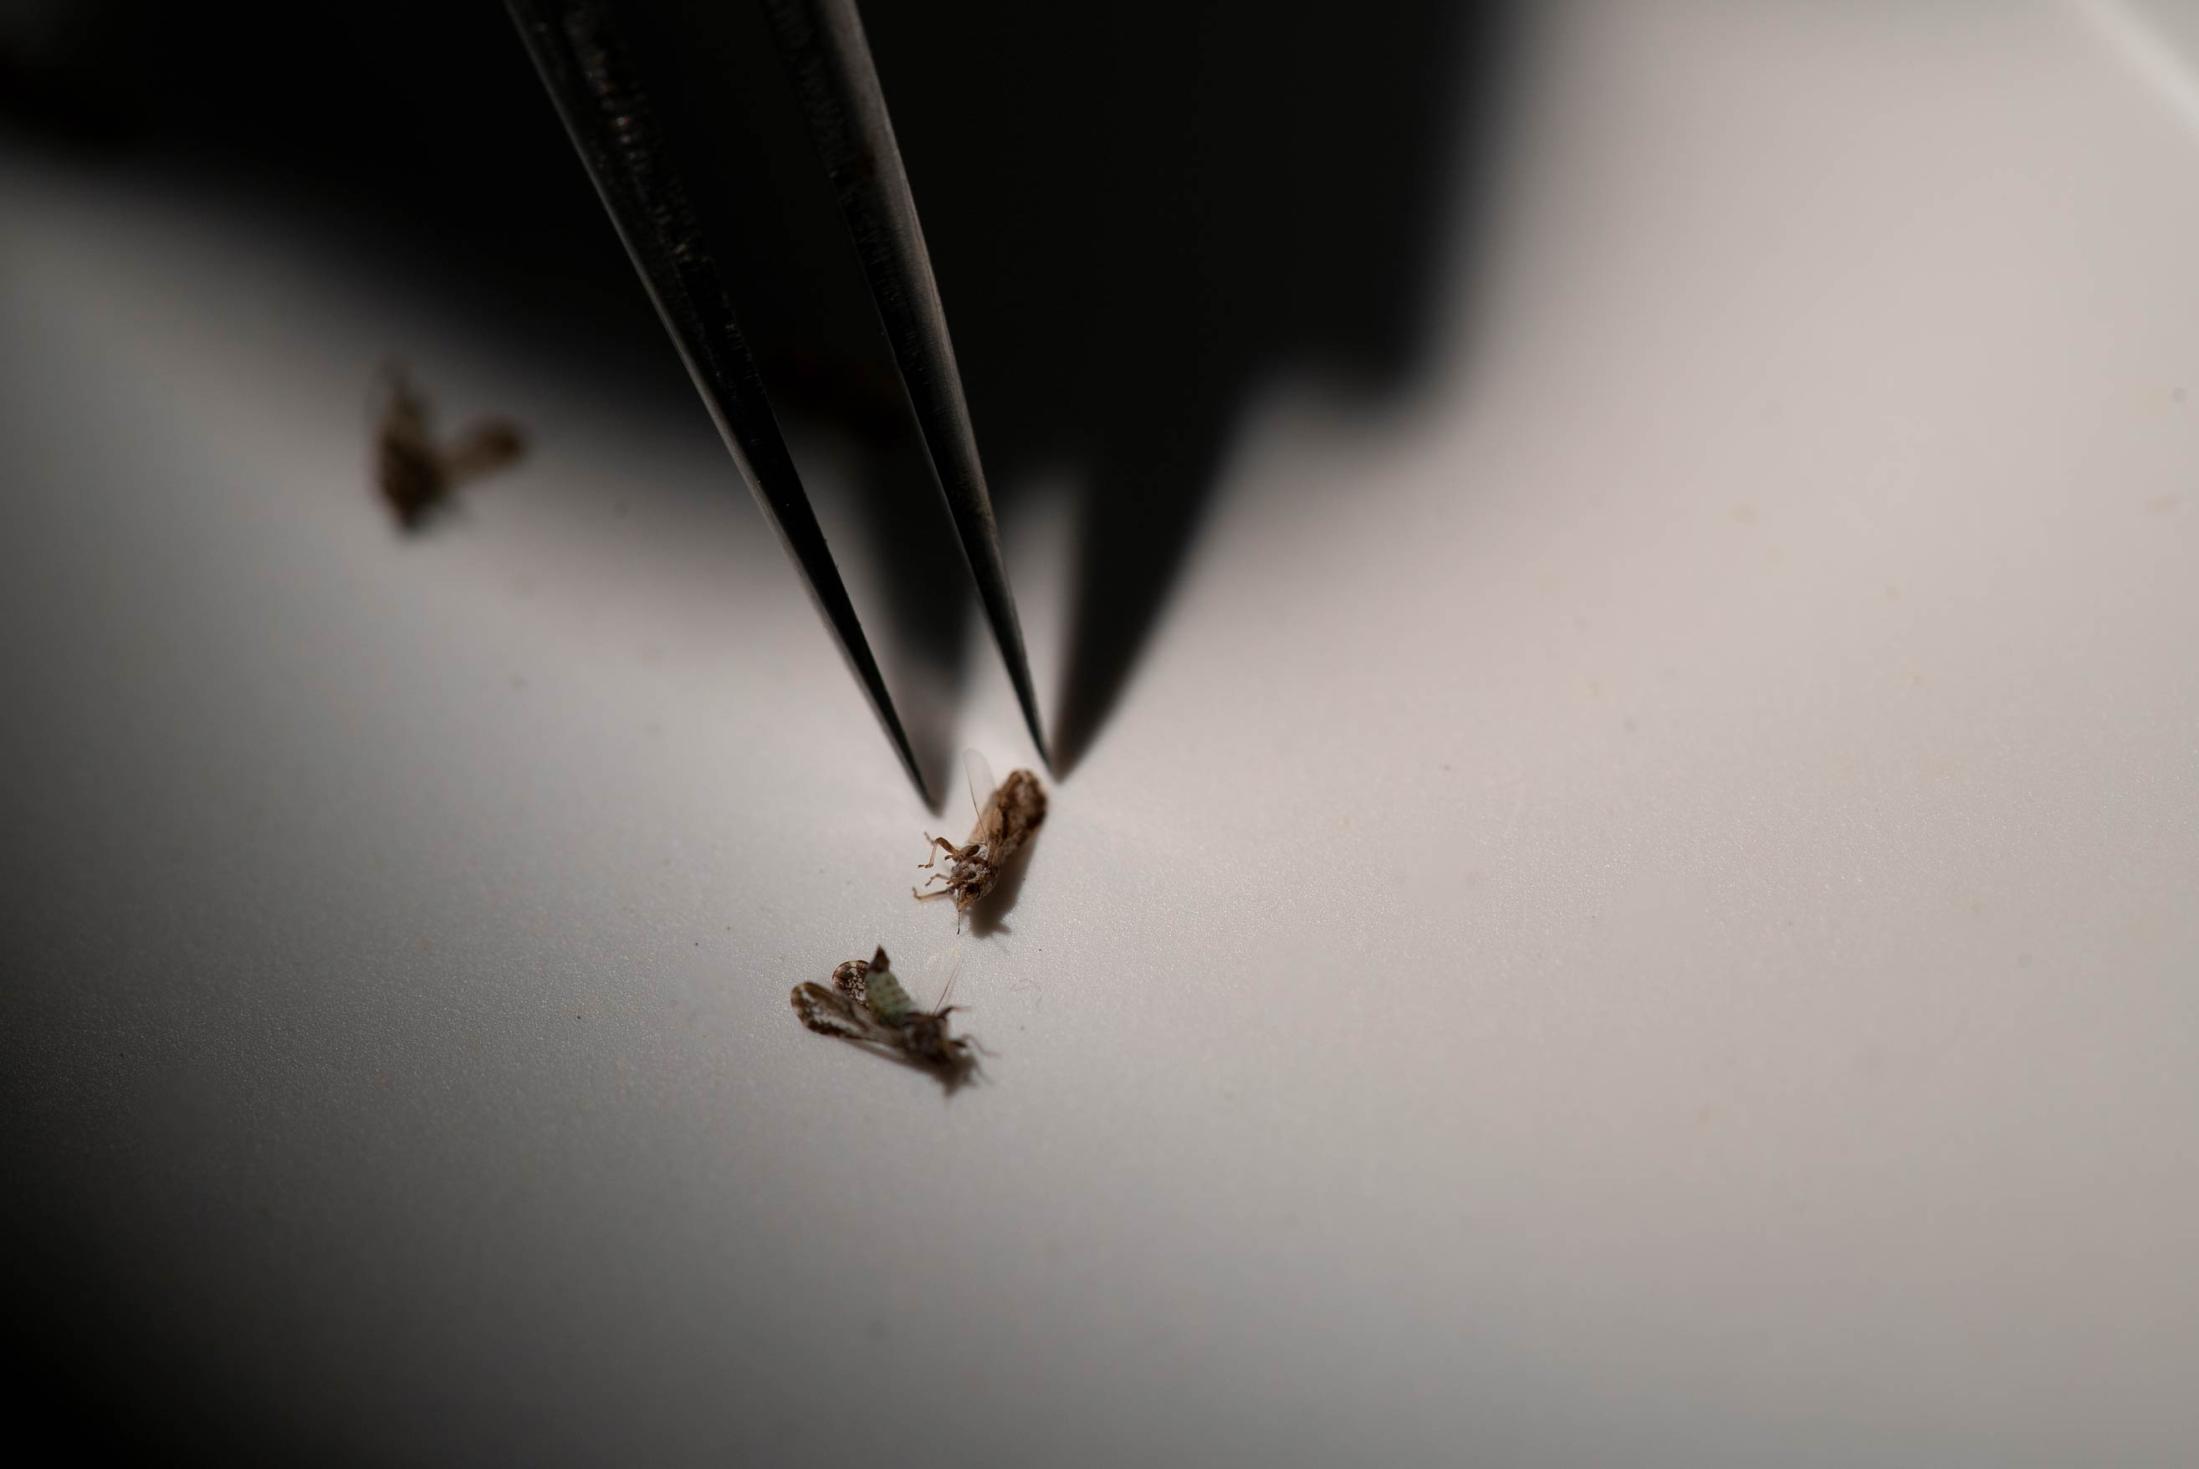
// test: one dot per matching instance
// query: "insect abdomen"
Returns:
(888, 1001)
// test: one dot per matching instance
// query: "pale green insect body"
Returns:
(887, 1000)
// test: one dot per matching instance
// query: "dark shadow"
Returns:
(104, 1367)
(951, 1079)
(409, 140)
(987, 917)
(1141, 214)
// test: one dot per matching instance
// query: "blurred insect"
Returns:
(1007, 814)
(868, 1006)
(414, 473)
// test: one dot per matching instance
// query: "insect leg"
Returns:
(954, 853)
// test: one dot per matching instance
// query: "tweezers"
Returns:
(592, 80)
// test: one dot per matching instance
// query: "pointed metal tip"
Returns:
(923, 792)
(1045, 754)
(1009, 636)
(881, 702)
(836, 83)
(582, 56)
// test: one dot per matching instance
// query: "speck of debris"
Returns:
(2163, 504)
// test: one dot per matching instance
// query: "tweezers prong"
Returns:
(583, 63)
(830, 63)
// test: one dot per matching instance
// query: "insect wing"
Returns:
(982, 784)
(851, 981)
(831, 1014)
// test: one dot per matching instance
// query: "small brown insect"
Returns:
(414, 473)
(1006, 817)
(868, 1006)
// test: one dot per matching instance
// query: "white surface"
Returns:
(1669, 940)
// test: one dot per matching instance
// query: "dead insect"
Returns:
(1006, 817)
(414, 473)
(868, 1006)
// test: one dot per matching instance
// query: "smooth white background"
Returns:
(1639, 908)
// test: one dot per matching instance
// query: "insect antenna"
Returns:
(954, 973)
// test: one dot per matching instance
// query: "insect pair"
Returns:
(867, 1005)
(415, 473)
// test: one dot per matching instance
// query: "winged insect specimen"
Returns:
(867, 1005)
(1007, 814)
(416, 474)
